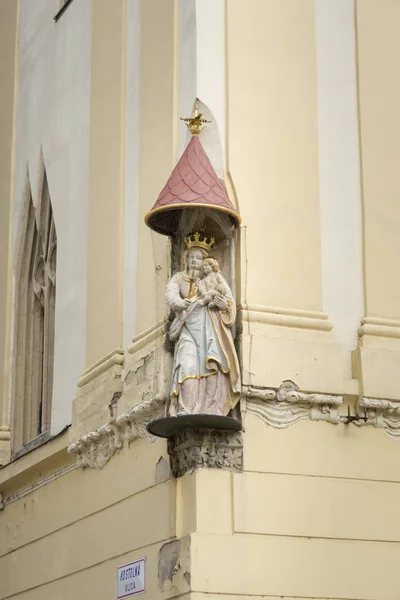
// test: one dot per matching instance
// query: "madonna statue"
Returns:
(205, 376)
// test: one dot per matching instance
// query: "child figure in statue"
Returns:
(212, 284)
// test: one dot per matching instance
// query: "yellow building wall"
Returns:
(314, 514)
(157, 116)
(379, 93)
(67, 538)
(273, 161)
(273, 149)
(379, 97)
(105, 222)
(8, 30)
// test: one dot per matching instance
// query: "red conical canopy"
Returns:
(192, 184)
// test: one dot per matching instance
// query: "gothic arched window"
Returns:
(34, 321)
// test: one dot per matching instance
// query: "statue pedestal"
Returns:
(168, 427)
(201, 441)
(192, 449)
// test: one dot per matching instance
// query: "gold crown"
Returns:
(198, 240)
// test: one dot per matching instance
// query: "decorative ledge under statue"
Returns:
(205, 375)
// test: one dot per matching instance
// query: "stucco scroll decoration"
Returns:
(132, 424)
(287, 405)
(97, 447)
(381, 413)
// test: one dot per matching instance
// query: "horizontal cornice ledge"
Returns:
(112, 359)
(379, 327)
(146, 337)
(5, 433)
(285, 317)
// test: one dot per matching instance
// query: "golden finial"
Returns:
(195, 124)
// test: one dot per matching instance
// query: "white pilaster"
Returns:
(339, 171)
(202, 73)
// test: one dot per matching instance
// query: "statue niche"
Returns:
(205, 379)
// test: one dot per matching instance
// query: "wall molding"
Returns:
(112, 359)
(285, 317)
(147, 337)
(380, 413)
(376, 326)
(286, 405)
(97, 447)
(35, 486)
(5, 433)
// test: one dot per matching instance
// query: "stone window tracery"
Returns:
(35, 286)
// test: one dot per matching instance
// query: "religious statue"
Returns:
(205, 375)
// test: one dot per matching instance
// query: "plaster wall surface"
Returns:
(157, 113)
(274, 162)
(379, 95)
(200, 596)
(53, 117)
(105, 231)
(284, 566)
(273, 149)
(106, 519)
(8, 33)
(314, 514)
(132, 158)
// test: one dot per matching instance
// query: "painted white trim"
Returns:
(187, 66)
(339, 172)
(202, 74)
(211, 68)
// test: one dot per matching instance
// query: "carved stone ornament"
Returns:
(287, 405)
(191, 449)
(97, 447)
(384, 414)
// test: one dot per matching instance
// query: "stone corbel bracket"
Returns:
(286, 405)
(381, 413)
(97, 447)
